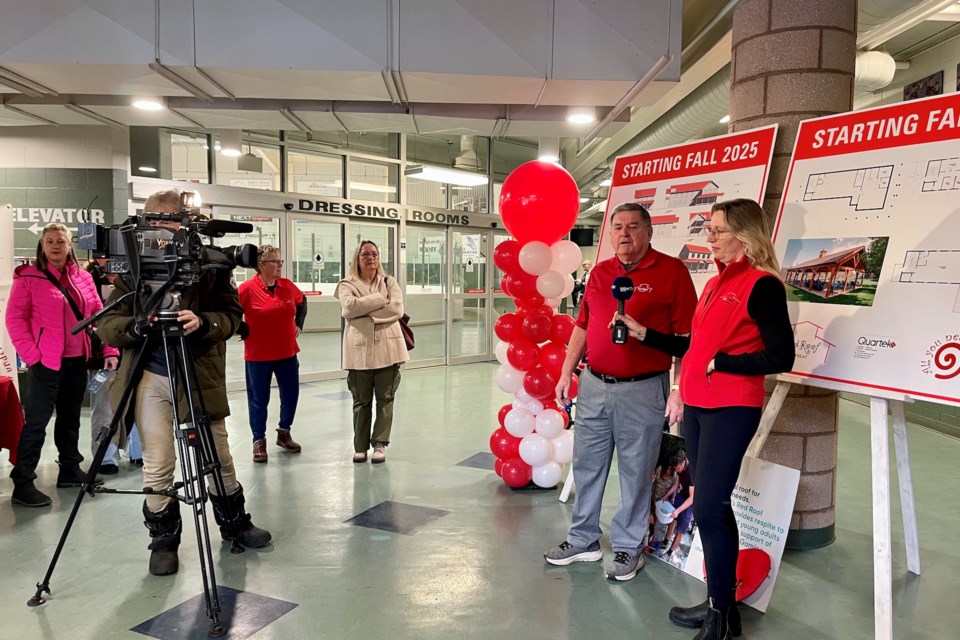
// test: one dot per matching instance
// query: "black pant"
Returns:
(61, 390)
(716, 441)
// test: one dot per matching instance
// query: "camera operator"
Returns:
(209, 314)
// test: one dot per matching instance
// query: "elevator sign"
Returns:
(40, 217)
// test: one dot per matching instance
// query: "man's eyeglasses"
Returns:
(367, 255)
(279, 263)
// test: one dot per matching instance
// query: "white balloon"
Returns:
(509, 379)
(566, 256)
(550, 284)
(547, 475)
(550, 423)
(535, 258)
(535, 407)
(553, 302)
(501, 351)
(524, 397)
(567, 285)
(535, 450)
(517, 404)
(563, 447)
(519, 422)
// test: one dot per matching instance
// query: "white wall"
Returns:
(93, 147)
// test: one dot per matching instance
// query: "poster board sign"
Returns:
(678, 185)
(868, 237)
(8, 357)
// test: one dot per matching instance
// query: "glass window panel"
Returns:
(426, 193)
(507, 156)
(257, 168)
(469, 327)
(376, 181)
(315, 173)
(189, 158)
(469, 262)
(386, 145)
(464, 153)
(426, 267)
(382, 235)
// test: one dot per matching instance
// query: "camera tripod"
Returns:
(196, 453)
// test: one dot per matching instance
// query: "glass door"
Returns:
(315, 262)
(267, 229)
(425, 276)
(471, 296)
(383, 235)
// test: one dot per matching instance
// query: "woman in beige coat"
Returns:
(373, 348)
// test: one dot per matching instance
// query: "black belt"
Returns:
(614, 379)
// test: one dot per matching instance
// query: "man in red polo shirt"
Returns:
(622, 392)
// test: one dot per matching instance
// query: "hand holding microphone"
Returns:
(622, 291)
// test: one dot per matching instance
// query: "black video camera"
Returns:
(167, 247)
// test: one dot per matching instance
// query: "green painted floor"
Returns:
(474, 573)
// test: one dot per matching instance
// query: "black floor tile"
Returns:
(482, 460)
(397, 517)
(244, 614)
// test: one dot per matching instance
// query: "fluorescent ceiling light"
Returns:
(147, 169)
(446, 176)
(148, 105)
(549, 150)
(581, 115)
(232, 153)
(725, 119)
(549, 158)
(230, 143)
(606, 182)
(584, 199)
(376, 188)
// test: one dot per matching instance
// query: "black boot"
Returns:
(29, 496)
(693, 617)
(239, 528)
(71, 475)
(165, 527)
(716, 625)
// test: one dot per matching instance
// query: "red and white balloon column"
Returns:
(538, 205)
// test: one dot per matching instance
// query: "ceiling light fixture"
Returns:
(606, 182)
(725, 119)
(148, 104)
(230, 143)
(147, 169)
(446, 175)
(549, 150)
(581, 115)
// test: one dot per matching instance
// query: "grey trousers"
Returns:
(628, 417)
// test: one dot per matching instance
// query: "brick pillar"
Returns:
(793, 61)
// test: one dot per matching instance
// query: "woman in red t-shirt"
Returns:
(273, 312)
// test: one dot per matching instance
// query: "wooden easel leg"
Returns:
(567, 485)
(882, 559)
(769, 416)
(905, 477)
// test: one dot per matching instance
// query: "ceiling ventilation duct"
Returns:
(467, 160)
(875, 70)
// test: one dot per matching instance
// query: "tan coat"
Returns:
(372, 338)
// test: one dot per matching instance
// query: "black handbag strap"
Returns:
(66, 294)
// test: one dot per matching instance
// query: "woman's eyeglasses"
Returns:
(279, 263)
(367, 255)
(716, 232)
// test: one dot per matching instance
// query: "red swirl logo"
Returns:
(946, 360)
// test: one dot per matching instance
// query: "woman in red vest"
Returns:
(741, 332)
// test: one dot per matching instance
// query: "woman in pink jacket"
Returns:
(39, 318)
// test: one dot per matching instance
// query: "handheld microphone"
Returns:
(622, 289)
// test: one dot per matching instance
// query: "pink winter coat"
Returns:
(37, 314)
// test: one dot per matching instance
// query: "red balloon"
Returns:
(505, 284)
(540, 383)
(527, 310)
(552, 356)
(505, 256)
(508, 327)
(503, 445)
(504, 410)
(536, 327)
(574, 387)
(516, 473)
(561, 327)
(539, 201)
(523, 354)
(498, 466)
(521, 285)
(536, 300)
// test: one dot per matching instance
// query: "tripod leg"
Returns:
(103, 437)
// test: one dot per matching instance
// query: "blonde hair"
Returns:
(265, 249)
(354, 269)
(42, 261)
(748, 223)
(170, 197)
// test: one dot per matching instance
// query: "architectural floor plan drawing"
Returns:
(938, 266)
(942, 174)
(865, 189)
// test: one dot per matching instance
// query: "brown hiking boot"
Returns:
(260, 450)
(285, 441)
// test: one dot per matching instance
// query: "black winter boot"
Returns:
(716, 626)
(239, 527)
(71, 475)
(693, 617)
(165, 527)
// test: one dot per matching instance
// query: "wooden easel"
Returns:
(882, 404)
